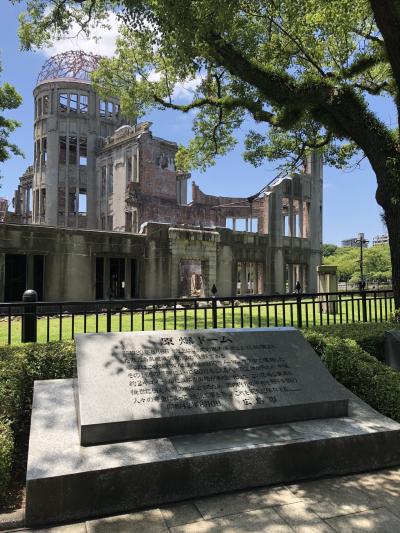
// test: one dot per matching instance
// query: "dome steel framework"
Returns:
(74, 64)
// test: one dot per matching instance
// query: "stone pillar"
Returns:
(327, 282)
(301, 217)
(290, 278)
(243, 279)
(292, 230)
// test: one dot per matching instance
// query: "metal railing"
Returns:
(47, 321)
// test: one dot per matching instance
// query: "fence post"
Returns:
(29, 321)
(109, 317)
(364, 304)
(299, 316)
(214, 306)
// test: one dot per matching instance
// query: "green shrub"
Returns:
(369, 336)
(369, 379)
(20, 366)
(6, 455)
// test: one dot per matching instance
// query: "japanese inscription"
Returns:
(198, 371)
(156, 384)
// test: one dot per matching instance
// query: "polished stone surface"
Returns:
(392, 348)
(146, 385)
(67, 482)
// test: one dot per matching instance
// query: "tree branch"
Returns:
(226, 102)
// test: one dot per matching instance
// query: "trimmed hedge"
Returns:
(374, 382)
(369, 379)
(19, 367)
(369, 336)
(6, 456)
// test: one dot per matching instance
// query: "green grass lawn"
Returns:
(276, 314)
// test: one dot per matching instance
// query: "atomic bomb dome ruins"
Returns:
(104, 204)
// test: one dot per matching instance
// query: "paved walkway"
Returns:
(367, 502)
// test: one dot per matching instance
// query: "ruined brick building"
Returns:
(103, 201)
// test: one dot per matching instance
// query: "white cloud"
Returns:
(101, 42)
(184, 91)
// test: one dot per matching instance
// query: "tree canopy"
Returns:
(9, 99)
(304, 70)
(303, 67)
(376, 261)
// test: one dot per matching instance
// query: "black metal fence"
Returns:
(47, 321)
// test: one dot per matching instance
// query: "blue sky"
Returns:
(349, 197)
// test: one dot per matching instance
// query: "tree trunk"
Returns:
(392, 217)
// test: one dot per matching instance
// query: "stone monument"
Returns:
(156, 417)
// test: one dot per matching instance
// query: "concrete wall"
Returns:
(70, 258)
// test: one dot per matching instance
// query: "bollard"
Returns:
(214, 306)
(29, 320)
(109, 317)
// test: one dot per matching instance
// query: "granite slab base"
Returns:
(67, 482)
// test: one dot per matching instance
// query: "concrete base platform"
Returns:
(67, 482)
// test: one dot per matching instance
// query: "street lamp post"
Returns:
(362, 242)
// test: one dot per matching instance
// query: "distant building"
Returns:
(103, 212)
(380, 239)
(353, 243)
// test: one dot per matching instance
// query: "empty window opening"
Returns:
(45, 104)
(44, 150)
(253, 225)
(286, 225)
(63, 103)
(37, 153)
(128, 168)
(73, 103)
(63, 149)
(102, 108)
(99, 278)
(135, 168)
(14, 277)
(36, 204)
(83, 151)
(82, 202)
(110, 179)
(240, 224)
(61, 200)
(134, 278)
(191, 278)
(135, 228)
(38, 275)
(73, 150)
(297, 225)
(39, 107)
(229, 223)
(128, 221)
(42, 201)
(72, 201)
(103, 181)
(83, 103)
(29, 198)
(117, 277)
(250, 278)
